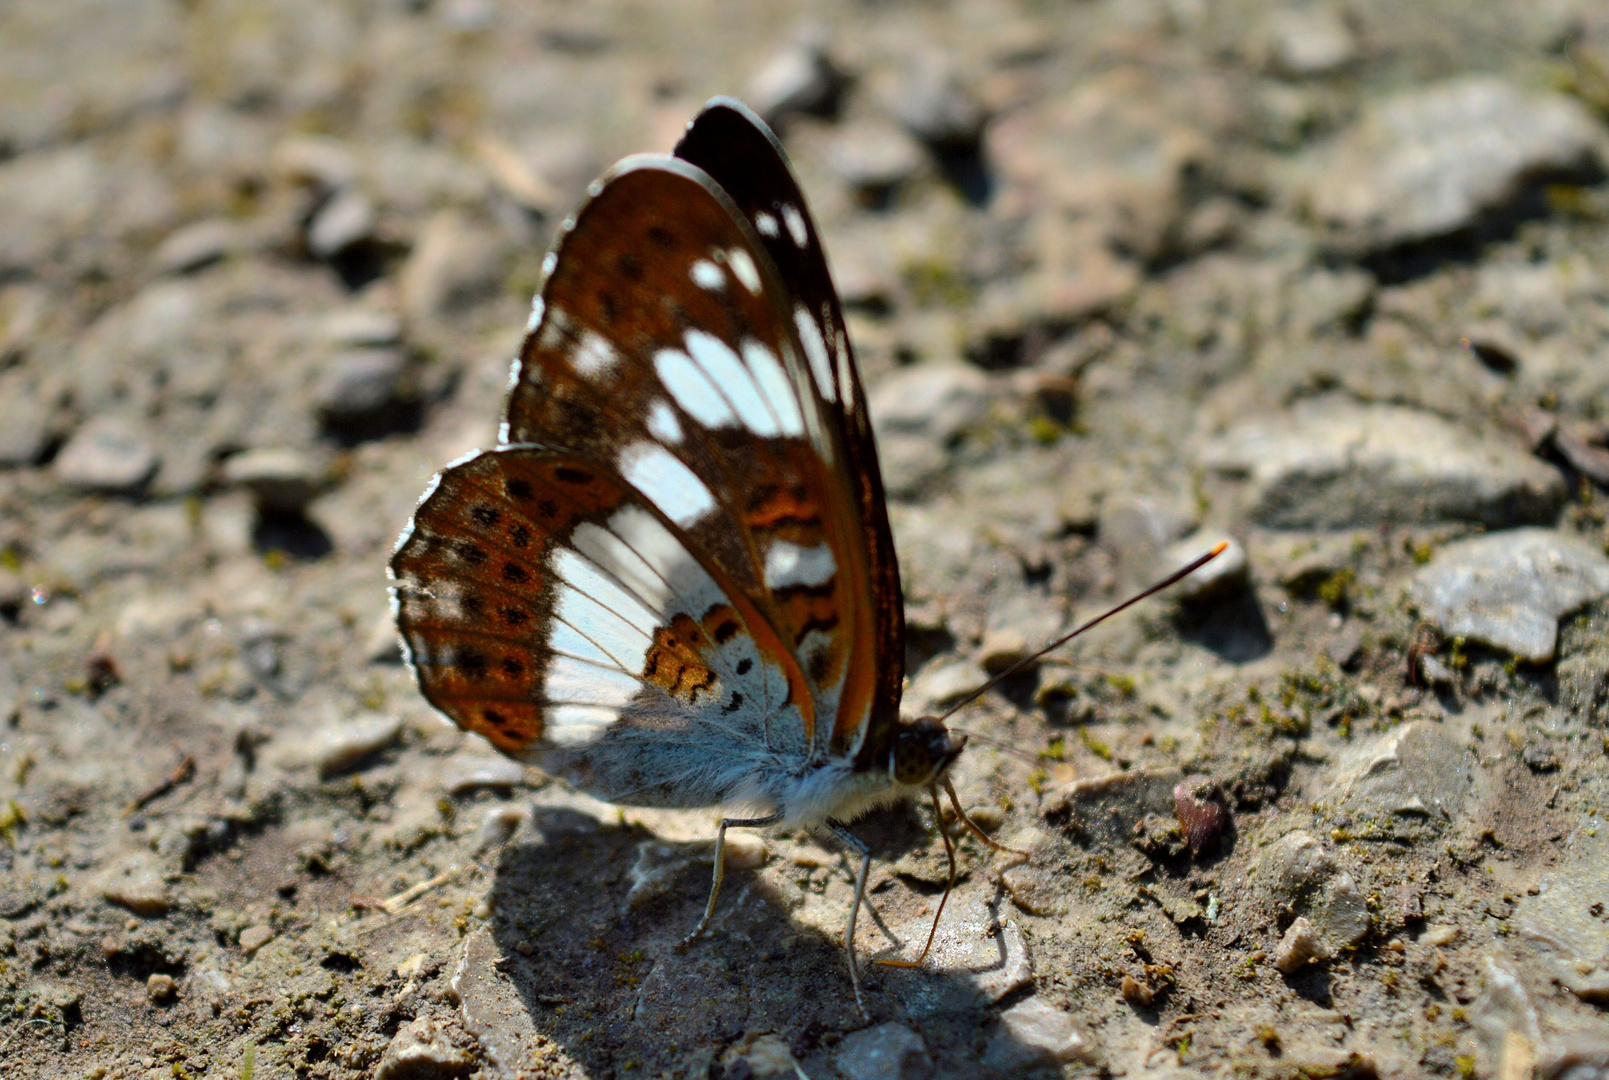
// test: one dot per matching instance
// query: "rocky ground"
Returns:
(1328, 279)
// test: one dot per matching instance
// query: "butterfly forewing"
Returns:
(663, 350)
(741, 154)
(548, 606)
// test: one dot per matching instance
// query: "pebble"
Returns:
(1402, 783)
(886, 1052)
(1140, 530)
(1509, 589)
(108, 454)
(346, 219)
(280, 479)
(1033, 1032)
(745, 850)
(1563, 926)
(1437, 160)
(761, 1056)
(358, 327)
(196, 245)
(24, 423)
(1310, 41)
(499, 826)
(1199, 806)
(360, 383)
(453, 266)
(873, 159)
(936, 105)
(474, 774)
(255, 937)
(936, 401)
(317, 160)
(340, 745)
(943, 681)
(1300, 946)
(1298, 874)
(801, 78)
(977, 956)
(1229, 573)
(137, 886)
(1105, 809)
(421, 1051)
(1331, 464)
(160, 987)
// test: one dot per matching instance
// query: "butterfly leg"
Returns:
(857, 845)
(720, 868)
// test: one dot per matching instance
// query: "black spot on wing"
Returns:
(519, 488)
(515, 574)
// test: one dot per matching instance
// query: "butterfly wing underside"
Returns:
(668, 546)
(730, 143)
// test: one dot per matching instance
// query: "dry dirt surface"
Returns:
(1328, 279)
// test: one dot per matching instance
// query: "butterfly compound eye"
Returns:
(923, 749)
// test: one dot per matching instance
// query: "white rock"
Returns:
(1509, 589)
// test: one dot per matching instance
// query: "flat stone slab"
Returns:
(1509, 589)
(1434, 161)
(1331, 464)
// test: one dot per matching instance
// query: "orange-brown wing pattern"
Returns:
(546, 604)
(664, 347)
(741, 154)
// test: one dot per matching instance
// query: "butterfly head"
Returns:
(923, 749)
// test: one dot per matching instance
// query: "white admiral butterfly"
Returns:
(673, 582)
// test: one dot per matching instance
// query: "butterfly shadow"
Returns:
(581, 956)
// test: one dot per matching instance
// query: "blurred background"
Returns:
(1325, 278)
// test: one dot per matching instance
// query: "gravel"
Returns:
(1125, 280)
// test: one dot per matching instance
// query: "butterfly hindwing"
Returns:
(545, 604)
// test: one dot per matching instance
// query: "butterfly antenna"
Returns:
(999, 744)
(1171, 579)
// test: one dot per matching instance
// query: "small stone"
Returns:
(873, 159)
(318, 160)
(981, 953)
(885, 1052)
(108, 454)
(761, 1056)
(1299, 947)
(1140, 531)
(196, 245)
(413, 965)
(1224, 575)
(1107, 808)
(1033, 1032)
(745, 850)
(936, 105)
(1439, 935)
(360, 383)
(1310, 40)
(454, 265)
(420, 1051)
(138, 887)
(1436, 160)
(1001, 648)
(255, 937)
(655, 871)
(1031, 891)
(475, 774)
(1137, 993)
(802, 78)
(24, 423)
(160, 987)
(1509, 589)
(339, 746)
(1199, 806)
(499, 826)
(943, 681)
(361, 327)
(348, 218)
(939, 401)
(1563, 925)
(1331, 464)
(280, 479)
(1413, 777)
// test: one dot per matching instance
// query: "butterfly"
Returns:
(672, 583)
